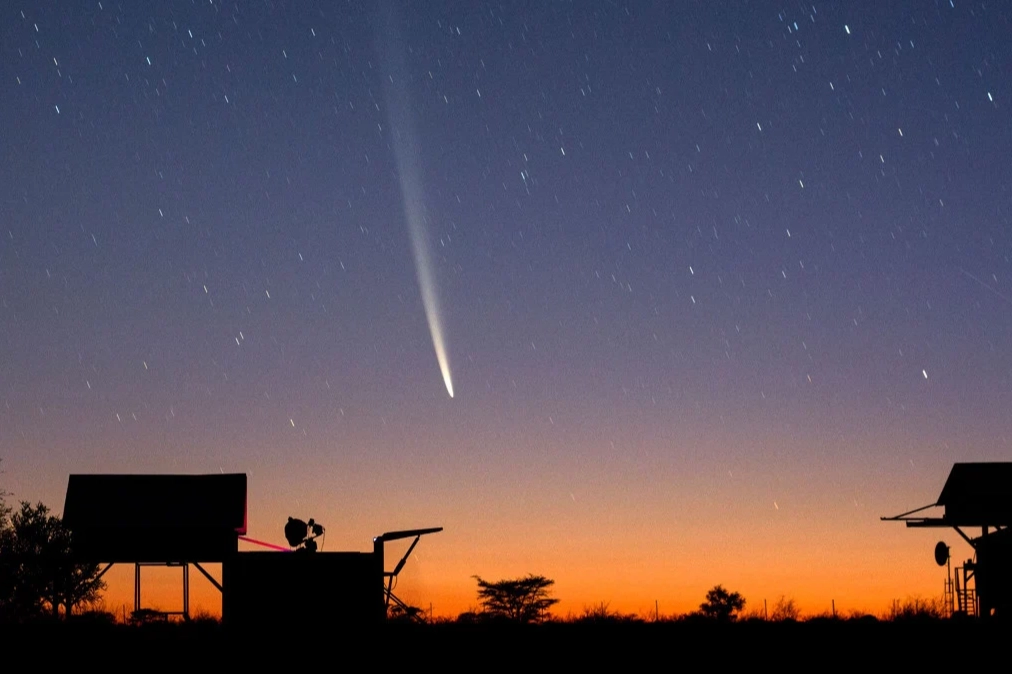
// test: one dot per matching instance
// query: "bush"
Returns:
(94, 617)
(721, 604)
(602, 613)
(406, 614)
(205, 618)
(785, 609)
(143, 617)
(916, 609)
(469, 617)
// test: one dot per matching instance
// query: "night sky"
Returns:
(718, 283)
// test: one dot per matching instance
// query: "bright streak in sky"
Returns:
(411, 189)
(407, 154)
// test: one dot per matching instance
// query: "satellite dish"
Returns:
(941, 553)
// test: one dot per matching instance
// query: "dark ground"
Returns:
(819, 646)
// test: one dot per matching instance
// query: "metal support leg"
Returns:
(186, 591)
(137, 586)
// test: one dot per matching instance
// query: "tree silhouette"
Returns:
(523, 600)
(37, 568)
(722, 605)
(7, 585)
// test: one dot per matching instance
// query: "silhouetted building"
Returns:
(157, 520)
(184, 520)
(976, 495)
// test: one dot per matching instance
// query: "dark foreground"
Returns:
(820, 646)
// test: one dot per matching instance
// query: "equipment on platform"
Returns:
(941, 553)
(302, 535)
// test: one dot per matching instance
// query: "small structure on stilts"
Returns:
(180, 521)
(976, 496)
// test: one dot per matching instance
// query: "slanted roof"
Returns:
(978, 493)
(156, 518)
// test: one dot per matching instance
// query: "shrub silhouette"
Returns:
(406, 614)
(916, 609)
(469, 617)
(602, 613)
(785, 609)
(142, 617)
(722, 605)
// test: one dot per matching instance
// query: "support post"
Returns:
(137, 586)
(214, 582)
(186, 591)
(104, 570)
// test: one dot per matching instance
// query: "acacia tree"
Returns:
(721, 604)
(523, 600)
(38, 571)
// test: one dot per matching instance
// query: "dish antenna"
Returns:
(941, 553)
(302, 535)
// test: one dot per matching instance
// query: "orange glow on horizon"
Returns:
(661, 527)
(629, 581)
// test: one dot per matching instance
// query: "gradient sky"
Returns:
(721, 283)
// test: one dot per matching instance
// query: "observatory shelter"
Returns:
(976, 495)
(184, 520)
(163, 520)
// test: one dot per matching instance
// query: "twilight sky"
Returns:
(719, 283)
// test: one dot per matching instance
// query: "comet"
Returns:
(407, 154)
